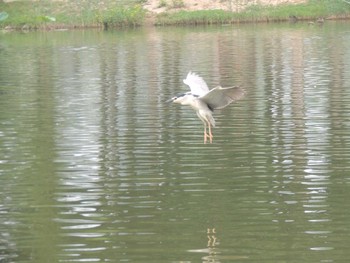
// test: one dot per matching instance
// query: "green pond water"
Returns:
(95, 166)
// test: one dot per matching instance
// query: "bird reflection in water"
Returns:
(212, 247)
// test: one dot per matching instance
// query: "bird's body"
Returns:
(205, 101)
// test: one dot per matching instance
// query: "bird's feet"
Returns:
(208, 136)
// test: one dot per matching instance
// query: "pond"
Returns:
(97, 167)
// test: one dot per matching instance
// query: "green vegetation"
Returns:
(196, 17)
(3, 16)
(162, 3)
(123, 17)
(178, 4)
(311, 10)
(46, 14)
(171, 3)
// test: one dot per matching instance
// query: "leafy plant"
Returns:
(46, 19)
(178, 4)
(162, 3)
(123, 16)
(3, 16)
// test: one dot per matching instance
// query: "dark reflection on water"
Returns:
(95, 166)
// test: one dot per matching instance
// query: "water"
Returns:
(96, 167)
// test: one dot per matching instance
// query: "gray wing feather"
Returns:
(219, 97)
(196, 84)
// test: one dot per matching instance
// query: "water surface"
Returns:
(97, 167)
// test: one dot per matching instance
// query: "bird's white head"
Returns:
(184, 99)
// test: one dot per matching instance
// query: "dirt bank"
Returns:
(159, 6)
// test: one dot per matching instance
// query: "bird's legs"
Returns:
(207, 135)
(210, 134)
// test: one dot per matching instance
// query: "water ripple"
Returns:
(95, 166)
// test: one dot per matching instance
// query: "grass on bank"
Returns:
(72, 14)
(311, 10)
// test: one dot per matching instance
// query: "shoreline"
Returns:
(16, 16)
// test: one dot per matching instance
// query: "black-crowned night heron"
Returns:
(205, 101)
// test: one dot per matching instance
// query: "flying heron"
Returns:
(205, 101)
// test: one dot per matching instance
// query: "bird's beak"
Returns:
(170, 100)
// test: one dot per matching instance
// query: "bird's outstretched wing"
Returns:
(196, 84)
(219, 97)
